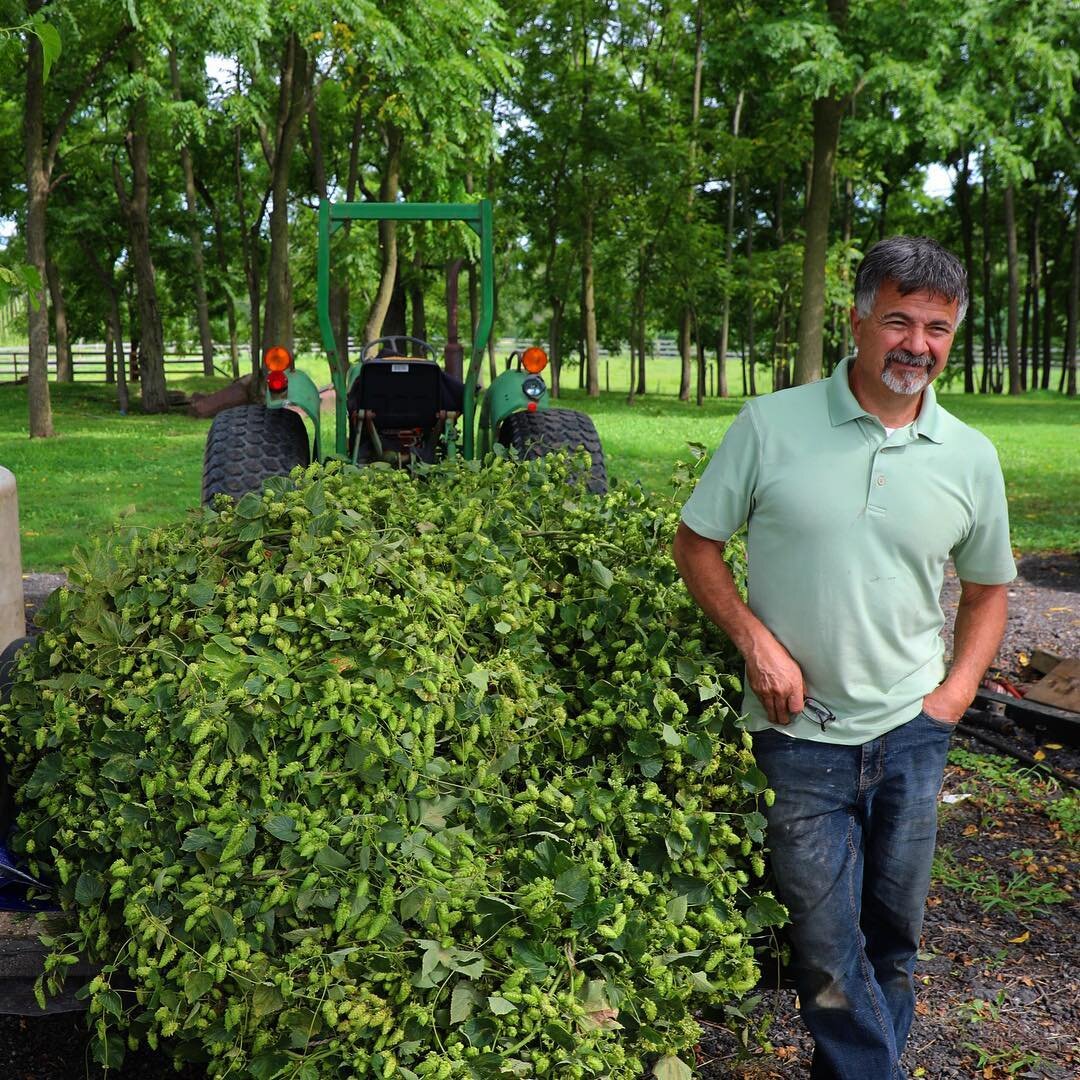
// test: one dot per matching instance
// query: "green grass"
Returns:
(101, 464)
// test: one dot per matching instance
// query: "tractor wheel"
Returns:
(249, 444)
(548, 431)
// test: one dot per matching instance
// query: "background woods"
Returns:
(700, 170)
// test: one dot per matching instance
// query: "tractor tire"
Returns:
(535, 434)
(248, 445)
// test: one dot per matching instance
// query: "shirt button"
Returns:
(880, 481)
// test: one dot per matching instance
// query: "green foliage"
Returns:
(389, 776)
(1010, 783)
(1020, 894)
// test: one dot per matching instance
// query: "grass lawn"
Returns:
(102, 465)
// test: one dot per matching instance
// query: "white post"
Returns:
(12, 613)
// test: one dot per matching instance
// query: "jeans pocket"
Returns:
(941, 725)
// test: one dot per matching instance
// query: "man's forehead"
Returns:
(933, 305)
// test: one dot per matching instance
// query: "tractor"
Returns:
(395, 404)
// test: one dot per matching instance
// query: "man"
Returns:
(856, 490)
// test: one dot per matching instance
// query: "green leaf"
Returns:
(120, 768)
(89, 889)
(479, 677)
(283, 828)
(108, 1051)
(266, 1000)
(573, 886)
(500, 1006)
(198, 839)
(196, 984)
(670, 736)
(670, 1067)
(51, 46)
(462, 1002)
(268, 1065)
(602, 575)
(676, 910)
(200, 593)
(507, 760)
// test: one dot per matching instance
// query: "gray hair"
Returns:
(915, 264)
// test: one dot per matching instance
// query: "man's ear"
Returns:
(856, 322)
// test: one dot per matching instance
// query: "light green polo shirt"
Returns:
(848, 534)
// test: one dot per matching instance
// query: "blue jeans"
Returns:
(851, 837)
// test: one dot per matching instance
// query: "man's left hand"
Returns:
(947, 703)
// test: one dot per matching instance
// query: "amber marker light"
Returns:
(534, 360)
(277, 358)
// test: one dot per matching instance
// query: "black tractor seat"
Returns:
(398, 407)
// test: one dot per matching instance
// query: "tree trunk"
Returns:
(198, 269)
(729, 253)
(318, 164)
(110, 361)
(691, 180)
(1013, 310)
(388, 253)
(555, 344)
(963, 204)
(684, 353)
(988, 335)
(1072, 326)
(810, 344)
(1047, 313)
(292, 106)
(136, 208)
(637, 328)
(64, 372)
(700, 345)
(588, 305)
(37, 188)
(1034, 260)
(751, 360)
(249, 243)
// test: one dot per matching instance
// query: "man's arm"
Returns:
(977, 633)
(772, 673)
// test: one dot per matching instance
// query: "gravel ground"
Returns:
(999, 990)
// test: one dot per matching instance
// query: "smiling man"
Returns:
(855, 492)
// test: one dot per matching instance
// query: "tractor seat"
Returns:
(400, 392)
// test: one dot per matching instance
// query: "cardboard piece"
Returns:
(1061, 688)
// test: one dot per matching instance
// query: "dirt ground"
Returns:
(999, 970)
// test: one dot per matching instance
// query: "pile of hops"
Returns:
(376, 775)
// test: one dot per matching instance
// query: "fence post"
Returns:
(12, 613)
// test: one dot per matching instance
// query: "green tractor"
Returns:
(396, 404)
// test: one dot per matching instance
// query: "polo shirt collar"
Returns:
(844, 406)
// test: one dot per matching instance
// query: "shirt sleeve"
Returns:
(984, 556)
(723, 499)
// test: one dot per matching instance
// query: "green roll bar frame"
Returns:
(332, 215)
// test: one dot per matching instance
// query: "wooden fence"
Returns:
(88, 362)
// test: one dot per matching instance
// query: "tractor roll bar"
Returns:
(332, 215)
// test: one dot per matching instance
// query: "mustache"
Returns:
(902, 356)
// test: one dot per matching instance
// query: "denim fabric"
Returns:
(851, 836)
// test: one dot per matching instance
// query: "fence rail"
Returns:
(88, 362)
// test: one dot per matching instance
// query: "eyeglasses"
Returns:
(820, 714)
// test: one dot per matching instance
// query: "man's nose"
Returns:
(916, 340)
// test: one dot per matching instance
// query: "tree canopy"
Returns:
(707, 171)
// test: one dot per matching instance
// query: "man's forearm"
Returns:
(977, 633)
(710, 582)
(773, 674)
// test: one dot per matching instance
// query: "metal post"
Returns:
(12, 614)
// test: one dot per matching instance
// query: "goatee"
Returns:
(904, 380)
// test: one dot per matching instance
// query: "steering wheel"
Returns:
(395, 347)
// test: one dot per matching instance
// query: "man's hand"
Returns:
(775, 677)
(980, 624)
(772, 673)
(946, 704)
